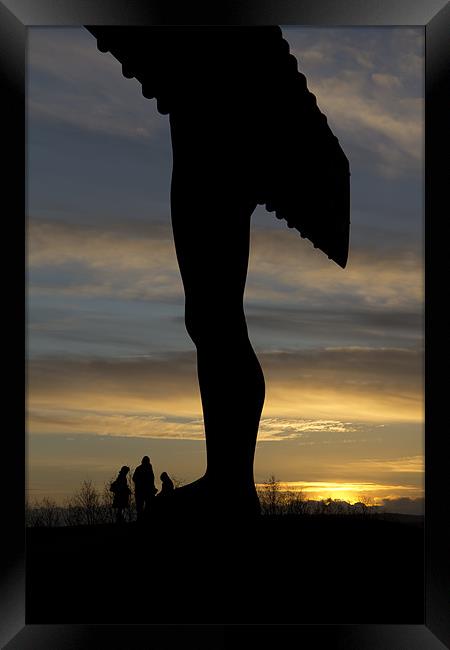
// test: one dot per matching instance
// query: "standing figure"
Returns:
(121, 492)
(245, 131)
(144, 488)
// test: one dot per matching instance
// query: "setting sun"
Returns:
(349, 492)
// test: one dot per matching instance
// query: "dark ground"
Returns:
(312, 570)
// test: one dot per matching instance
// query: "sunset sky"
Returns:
(111, 371)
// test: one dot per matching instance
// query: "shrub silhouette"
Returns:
(275, 501)
(44, 513)
(90, 507)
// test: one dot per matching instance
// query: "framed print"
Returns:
(329, 527)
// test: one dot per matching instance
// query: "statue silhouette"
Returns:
(245, 131)
(144, 488)
(121, 492)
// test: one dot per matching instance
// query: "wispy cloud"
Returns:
(294, 428)
(394, 130)
(283, 268)
(72, 83)
(406, 465)
(371, 88)
(353, 384)
(124, 265)
(319, 390)
(388, 81)
(118, 422)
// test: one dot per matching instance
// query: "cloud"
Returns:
(317, 390)
(59, 242)
(142, 425)
(407, 470)
(290, 300)
(370, 86)
(282, 266)
(388, 81)
(353, 324)
(404, 505)
(351, 383)
(139, 262)
(72, 83)
(406, 465)
(116, 423)
(394, 130)
(277, 428)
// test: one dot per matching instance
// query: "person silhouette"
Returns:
(144, 488)
(245, 131)
(121, 492)
(167, 486)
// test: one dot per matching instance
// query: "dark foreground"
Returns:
(312, 570)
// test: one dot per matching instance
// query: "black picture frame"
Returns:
(433, 15)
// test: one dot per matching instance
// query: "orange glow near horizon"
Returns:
(350, 492)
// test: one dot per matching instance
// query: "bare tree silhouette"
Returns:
(90, 507)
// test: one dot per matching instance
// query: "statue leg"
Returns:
(211, 226)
